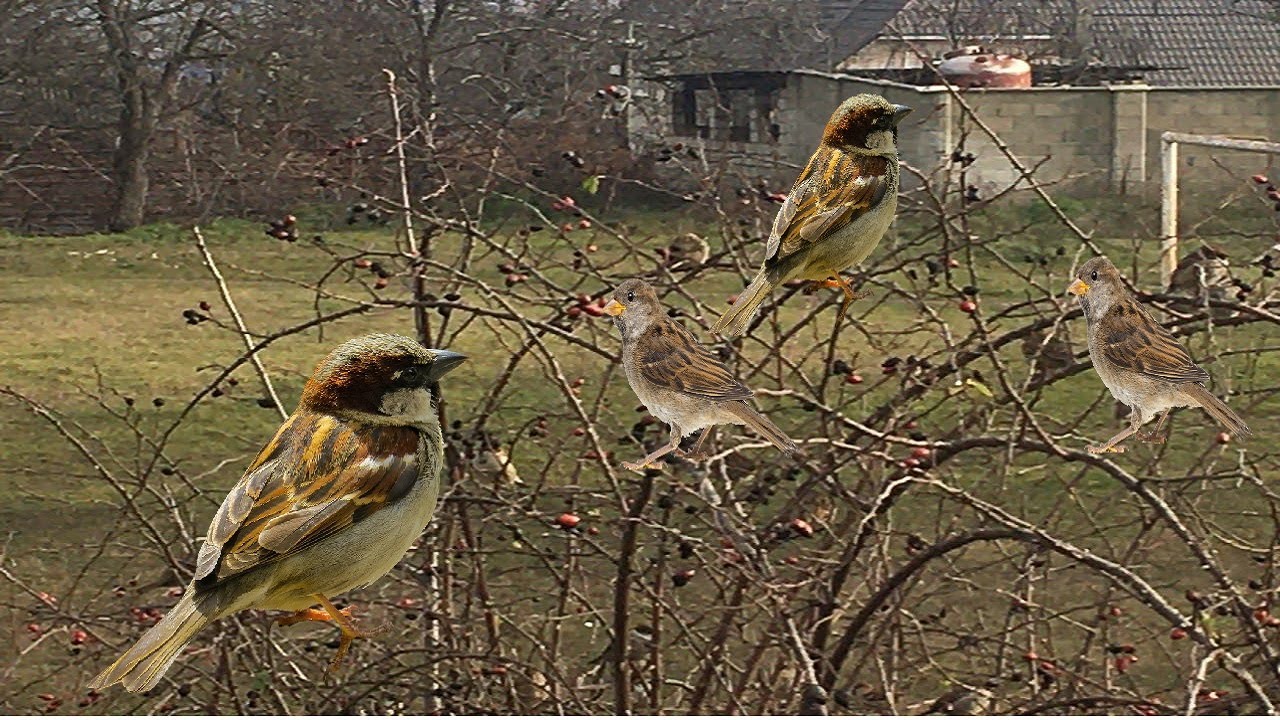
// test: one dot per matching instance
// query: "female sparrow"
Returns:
(1139, 361)
(677, 379)
(837, 210)
(330, 504)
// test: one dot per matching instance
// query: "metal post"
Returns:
(1169, 142)
(1168, 209)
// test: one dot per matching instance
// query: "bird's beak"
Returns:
(614, 308)
(445, 361)
(1078, 287)
(899, 112)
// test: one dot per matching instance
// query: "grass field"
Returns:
(102, 315)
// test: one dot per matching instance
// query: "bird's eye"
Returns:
(410, 376)
(1094, 276)
(631, 297)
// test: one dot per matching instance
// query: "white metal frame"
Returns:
(1169, 143)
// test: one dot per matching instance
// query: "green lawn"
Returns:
(101, 316)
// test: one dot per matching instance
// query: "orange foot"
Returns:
(342, 618)
(838, 281)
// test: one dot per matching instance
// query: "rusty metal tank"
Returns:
(986, 70)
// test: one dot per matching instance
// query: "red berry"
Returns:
(731, 299)
(853, 379)
(568, 201)
(514, 278)
(568, 521)
(79, 637)
(380, 283)
(1260, 179)
(592, 247)
(1223, 438)
(579, 432)
(921, 453)
(1031, 656)
(583, 299)
(1116, 612)
(909, 463)
(584, 224)
(290, 220)
(34, 628)
(567, 227)
(968, 306)
(682, 578)
(911, 425)
(362, 263)
(953, 263)
(1177, 633)
(574, 311)
(557, 206)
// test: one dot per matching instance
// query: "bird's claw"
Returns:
(1153, 438)
(1103, 449)
(642, 466)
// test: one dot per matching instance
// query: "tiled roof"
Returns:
(1198, 43)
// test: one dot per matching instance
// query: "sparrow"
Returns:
(1050, 353)
(1205, 273)
(331, 503)
(1139, 361)
(677, 379)
(837, 210)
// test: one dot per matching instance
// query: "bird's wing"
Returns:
(1132, 340)
(316, 477)
(835, 189)
(670, 357)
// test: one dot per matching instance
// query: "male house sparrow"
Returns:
(330, 504)
(677, 379)
(836, 212)
(1139, 361)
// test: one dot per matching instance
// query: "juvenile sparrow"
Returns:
(836, 212)
(1204, 274)
(330, 504)
(1139, 361)
(677, 379)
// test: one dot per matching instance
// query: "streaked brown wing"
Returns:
(672, 358)
(834, 189)
(317, 476)
(1132, 340)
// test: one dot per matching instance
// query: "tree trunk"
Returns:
(129, 169)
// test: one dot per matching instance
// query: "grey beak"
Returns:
(445, 361)
(899, 112)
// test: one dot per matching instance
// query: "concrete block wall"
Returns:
(1094, 137)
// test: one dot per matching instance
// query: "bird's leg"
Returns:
(695, 452)
(1155, 435)
(341, 618)
(839, 281)
(651, 460)
(1112, 445)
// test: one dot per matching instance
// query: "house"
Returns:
(1107, 77)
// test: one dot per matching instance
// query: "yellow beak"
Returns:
(614, 308)
(1078, 287)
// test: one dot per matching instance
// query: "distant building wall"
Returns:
(1098, 138)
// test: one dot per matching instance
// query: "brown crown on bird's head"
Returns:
(634, 305)
(358, 373)
(1097, 284)
(858, 120)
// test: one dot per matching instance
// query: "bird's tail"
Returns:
(1218, 409)
(142, 665)
(764, 426)
(735, 320)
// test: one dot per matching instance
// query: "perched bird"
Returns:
(836, 212)
(1139, 361)
(1204, 274)
(1050, 353)
(330, 504)
(677, 379)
